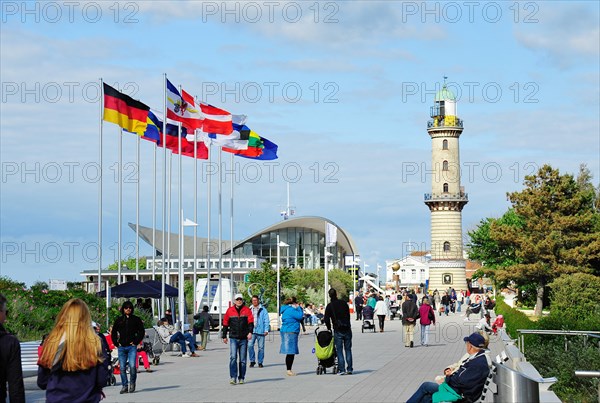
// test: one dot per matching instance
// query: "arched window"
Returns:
(445, 188)
(445, 145)
(445, 166)
(446, 246)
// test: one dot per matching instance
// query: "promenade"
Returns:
(384, 370)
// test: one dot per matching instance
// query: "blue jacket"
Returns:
(291, 318)
(261, 321)
(469, 379)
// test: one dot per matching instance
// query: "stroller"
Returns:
(325, 351)
(368, 321)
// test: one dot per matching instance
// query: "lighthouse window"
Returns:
(445, 145)
(445, 188)
(446, 246)
(445, 166)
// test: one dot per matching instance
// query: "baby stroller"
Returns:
(325, 351)
(368, 322)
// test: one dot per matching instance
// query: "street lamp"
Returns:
(184, 223)
(279, 245)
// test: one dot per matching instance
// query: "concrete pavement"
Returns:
(384, 370)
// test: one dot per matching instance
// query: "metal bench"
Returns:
(29, 358)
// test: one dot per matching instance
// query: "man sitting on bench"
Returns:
(466, 383)
(168, 334)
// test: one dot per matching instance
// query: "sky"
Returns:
(343, 87)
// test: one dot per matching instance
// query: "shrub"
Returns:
(513, 318)
(575, 298)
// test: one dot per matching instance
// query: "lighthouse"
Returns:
(447, 197)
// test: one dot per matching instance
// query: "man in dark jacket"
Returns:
(359, 302)
(10, 362)
(127, 332)
(239, 322)
(410, 314)
(467, 381)
(338, 313)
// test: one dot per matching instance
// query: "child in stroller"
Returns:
(368, 322)
(325, 351)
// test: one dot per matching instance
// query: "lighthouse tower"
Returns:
(447, 197)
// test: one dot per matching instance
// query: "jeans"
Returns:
(237, 347)
(424, 334)
(127, 356)
(343, 344)
(260, 338)
(204, 338)
(424, 393)
(181, 339)
(459, 304)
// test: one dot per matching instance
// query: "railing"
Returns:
(446, 121)
(586, 333)
(589, 374)
(446, 196)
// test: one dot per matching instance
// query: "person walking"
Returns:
(202, 326)
(427, 319)
(337, 313)
(359, 302)
(437, 301)
(291, 317)
(381, 310)
(11, 372)
(410, 314)
(460, 299)
(239, 322)
(127, 332)
(72, 366)
(445, 303)
(260, 332)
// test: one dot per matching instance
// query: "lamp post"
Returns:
(184, 223)
(279, 245)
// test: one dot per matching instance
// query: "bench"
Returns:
(505, 337)
(529, 371)
(29, 358)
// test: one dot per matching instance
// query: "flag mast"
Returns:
(231, 226)
(164, 193)
(100, 191)
(220, 186)
(180, 210)
(137, 211)
(195, 307)
(120, 213)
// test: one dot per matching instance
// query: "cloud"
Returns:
(565, 34)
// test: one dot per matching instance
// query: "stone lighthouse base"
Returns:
(444, 274)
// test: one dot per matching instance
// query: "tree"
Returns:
(560, 232)
(129, 263)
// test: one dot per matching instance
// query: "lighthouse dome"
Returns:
(444, 95)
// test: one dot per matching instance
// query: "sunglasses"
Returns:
(128, 308)
(239, 299)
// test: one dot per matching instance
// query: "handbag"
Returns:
(431, 315)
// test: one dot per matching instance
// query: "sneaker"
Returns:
(252, 363)
(194, 355)
(290, 373)
(342, 373)
(241, 381)
(186, 355)
(232, 381)
(260, 365)
(124, 389)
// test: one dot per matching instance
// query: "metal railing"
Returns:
(589, 374)
(585, 333)
(446, 196)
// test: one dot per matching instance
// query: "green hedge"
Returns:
(513, 318)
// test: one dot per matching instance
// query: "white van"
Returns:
(202, 298)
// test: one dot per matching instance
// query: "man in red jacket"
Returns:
(239, 322)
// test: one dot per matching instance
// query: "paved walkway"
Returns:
(384, 370)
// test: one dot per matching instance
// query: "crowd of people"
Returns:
(74, 357)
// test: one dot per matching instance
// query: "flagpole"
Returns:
(180, 208)
(120, 214)
(231, 225)
(195, 307)
(208, 197)
(137, 212)
(169, 177)
(326, 271)
(154, 219)
(164, 193)
(100, 191)
(219, 187)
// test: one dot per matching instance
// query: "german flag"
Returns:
(125, 111)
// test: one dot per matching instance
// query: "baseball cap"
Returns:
(95, 325)
(476, 340)
(238, 296)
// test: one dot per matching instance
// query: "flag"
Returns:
(172, 141)
(125, 111)
(153, 129)
(237, 140)
(330, 235)
(183, 108)
(216, 120)
(269, 152)
(253, 140)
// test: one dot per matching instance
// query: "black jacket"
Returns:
(10, 368)
(409, 310)
(238, 321)
(127, 331)
(339, 311)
